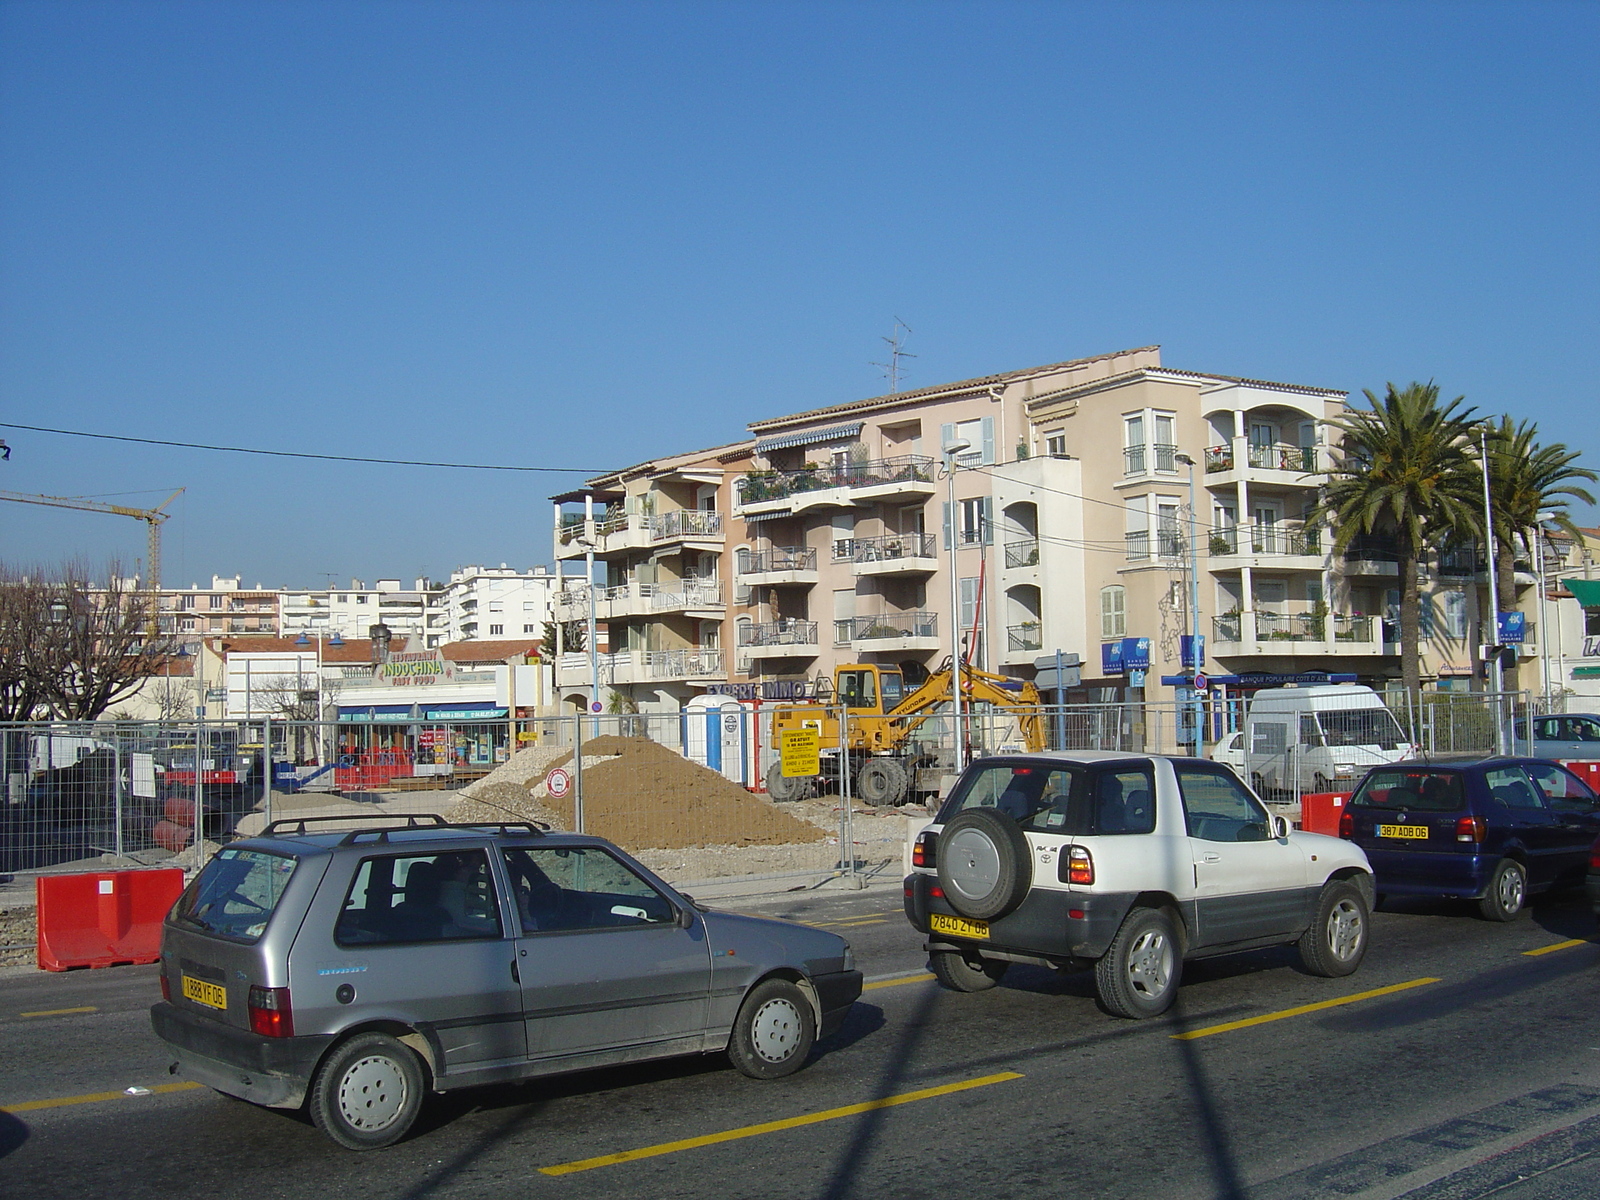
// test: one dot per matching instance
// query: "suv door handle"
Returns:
(1211, 858)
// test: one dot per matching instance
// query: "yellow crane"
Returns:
(152, 517)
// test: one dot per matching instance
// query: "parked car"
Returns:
(355, 970)
(1126, 865)
(1592, 880)
(1495, 830)
(1319, 737)
(1567, 735)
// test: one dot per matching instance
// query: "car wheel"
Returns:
(960, 974)
(1507, 893)
(367, 1092)
(773, 1032)
(985, 866)
(881, 782)
(1138, 977)
(784, 788)
(1336, 942)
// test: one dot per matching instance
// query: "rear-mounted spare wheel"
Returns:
(984, 864)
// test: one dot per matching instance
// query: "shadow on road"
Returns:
(12, 1133)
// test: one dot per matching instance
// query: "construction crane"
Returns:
(152, 517)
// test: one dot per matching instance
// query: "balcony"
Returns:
(839, 485)
(889, 632)
(787, 638)
(689, 663)
(686, 525)
(1369, 560)
(1278, 463)
(1462, 562)
(795, 565)
(1022, 554)
(1136, 460)
(1021, 639)
(1287, 546)
(894, 554)
(1321, 633)
(634, 599)
(1167, 543)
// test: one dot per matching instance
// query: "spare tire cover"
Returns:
(985, 866)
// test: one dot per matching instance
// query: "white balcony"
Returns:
(889, 633)
(1323, 635)
(897, 554)
(778, 567)
(697, 597)
(778, 639)
(836, 485)
(1279, 464)
(1286, 546)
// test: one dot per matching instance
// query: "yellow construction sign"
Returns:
(801, 753)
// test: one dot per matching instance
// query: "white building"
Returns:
(480, 603)
(352, 612)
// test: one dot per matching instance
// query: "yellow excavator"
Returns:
(890, 764)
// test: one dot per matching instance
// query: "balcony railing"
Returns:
(1136, 458)
(686, 522)
(1219, 458)
(778, 558)
(1133, 458)
(684, 594)
(891, 547)
(680, 664)
(1026, 636)
(1022, 554)
(759, 486)
(1294, 627)
(1168, 543)
(786, 632)
(1282, 457)
(1462, 561)
(887, 625)
(1266, 539)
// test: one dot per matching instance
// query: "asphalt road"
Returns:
(1474, 1071)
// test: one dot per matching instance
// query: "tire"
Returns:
(785, 788)
(1336, 941)
(881, 782)
(985, 866)
(367, 1092)
(960, 975)
(1138, 976)
(1507, 894)
(774, 1031)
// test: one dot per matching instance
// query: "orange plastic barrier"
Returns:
(1320, 812)
(371, 769)
(105, 918)
(1586, 770)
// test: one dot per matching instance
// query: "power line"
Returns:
(386, 462)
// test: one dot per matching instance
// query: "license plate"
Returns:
(212, 995)
(1415, 832)
(958, 926)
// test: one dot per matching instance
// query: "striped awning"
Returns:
(811, 437)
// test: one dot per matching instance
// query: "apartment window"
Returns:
(979, 433)
(530, 629)
(497, 607)
(970, 611)
(1113, 612)
(1149, 441)
(216, 601)
(1055, 443)
(1133, 451)
(1170, 532)
(186, 603)
(977, 521)
(344, 599)
(497, 630)
(844, 611)
(530, 606)
(1138, 528)
(1455, 614)
(361, 599)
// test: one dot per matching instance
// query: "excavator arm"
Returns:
(1017, 697)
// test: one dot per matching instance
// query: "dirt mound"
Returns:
(644, 796)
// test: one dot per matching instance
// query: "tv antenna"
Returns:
(897, 351)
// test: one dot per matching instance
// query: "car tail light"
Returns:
(1347, 824)
(166, 986)
(936, 892)
(1080, 865)
(270, 1014)
(1471, 829)
(923, 853)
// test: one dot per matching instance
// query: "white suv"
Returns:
(1128, 864)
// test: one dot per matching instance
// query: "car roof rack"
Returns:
(297, 825)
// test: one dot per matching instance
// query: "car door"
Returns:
(604, 957)
(1521, 809)
(1248, 884)
(1576, 809)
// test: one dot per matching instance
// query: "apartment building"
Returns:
(222, 608)
(353, 611)
(480, 603)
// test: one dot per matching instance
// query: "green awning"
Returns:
(1586, 672)
(1586, 590)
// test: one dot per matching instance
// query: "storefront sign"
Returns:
(416, 668)
(465, 714)
(769, 689)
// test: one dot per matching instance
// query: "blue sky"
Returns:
(579, 235)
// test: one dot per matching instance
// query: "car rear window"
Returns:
(1068, 799)
(1419, 791)
(237, 893)
(1361, 727)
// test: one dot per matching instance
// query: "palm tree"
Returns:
(1526, 479)
(1403, 471)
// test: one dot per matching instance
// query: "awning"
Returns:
(1586, 590)
(811, 437)
(378, 714)
(465, 712)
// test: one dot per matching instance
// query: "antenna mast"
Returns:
(897, 351)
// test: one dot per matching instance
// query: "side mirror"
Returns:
(685, 918)
(1280, 826)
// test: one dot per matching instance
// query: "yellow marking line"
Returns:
(731, 1135)
(883, 983)
(1301, 1010)
(91, 1098)
(59, 1012)
(1533, 953)
(854, 924)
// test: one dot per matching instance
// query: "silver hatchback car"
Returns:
(355, 970)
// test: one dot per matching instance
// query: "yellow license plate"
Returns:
(212, 995)
(1415, 832)
(958, 926)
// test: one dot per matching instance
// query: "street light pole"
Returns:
(952, 452)
(1192, 617)
(1544, 627)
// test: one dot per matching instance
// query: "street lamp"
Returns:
(1544, 628)
(335, 640)
(587, 543)
(952, 452)
(1192, 616)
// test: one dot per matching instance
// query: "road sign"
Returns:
(1200, 683)
(558, 782)
(800, 752)
(1048, 681)
(596, 707)
(1048, 662)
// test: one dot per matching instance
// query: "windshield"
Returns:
(1118, 798)
(1417, 790)
(1361, 727)
(893, 688)
(235, 895)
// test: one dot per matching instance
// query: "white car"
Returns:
(1126, 864)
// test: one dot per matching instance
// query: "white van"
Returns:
(1319, 737)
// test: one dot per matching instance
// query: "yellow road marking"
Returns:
(883, 983)
(1532, 953)
(1301, 1010)
(59, 1012)
(91, 1098)
(730, 1135)
(854, 924)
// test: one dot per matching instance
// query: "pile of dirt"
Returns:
(644, 796)
(18, 927)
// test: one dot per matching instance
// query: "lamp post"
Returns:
(1544, 628)
(335, 640)
(587, 542)
(952, 453)
(1192, 616)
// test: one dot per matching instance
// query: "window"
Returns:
(530, 606)
(858, 689)
(1591, 622)
(969, 592)
(1418, 791)
(361, 599)
(582, 888)
(420, 898)
(1133, 445)
(977, 525)
(1045, 800)
(530, 629)
(1564, 790)
(979, 433)
(1055, 444)
(1218, 809)
(235, 895)
(1113, 612)
(1455, 615)
(496, 630)
(1510, 787)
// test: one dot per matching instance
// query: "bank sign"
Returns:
(1130, 654)
(416, 668)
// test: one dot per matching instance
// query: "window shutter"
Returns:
(947, 434)
(988, 442)
(986, 517)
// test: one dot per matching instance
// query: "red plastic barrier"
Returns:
(1320, 812)
(105, 918)
(1586, 770)
(371, 769)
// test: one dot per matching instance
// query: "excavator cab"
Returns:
(868, 688)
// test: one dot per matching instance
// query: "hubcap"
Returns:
(775, 1031)
(1510, 890)
(371, 1093)
(972, 863)
(1150, 963)
(1344, 930)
